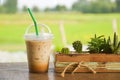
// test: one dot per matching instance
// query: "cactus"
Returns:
(77, 45)
(65, 51)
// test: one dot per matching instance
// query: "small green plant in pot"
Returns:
(102, 45)
(77, 45)
(107, 46)
(112, 47)
(65, 51)
(96, 43)
(116, 44)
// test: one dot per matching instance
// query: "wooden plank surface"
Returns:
(19, 71)
(98, 67)
(87, 57)
(103, 70)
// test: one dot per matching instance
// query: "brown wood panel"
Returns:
(72, 58)
(59, 69)
(87, 58)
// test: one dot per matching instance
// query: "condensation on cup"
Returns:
(38, 48)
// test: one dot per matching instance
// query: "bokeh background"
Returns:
(69, 20)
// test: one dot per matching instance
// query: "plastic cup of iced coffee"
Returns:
(38, 48)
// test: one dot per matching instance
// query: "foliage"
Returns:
(2, 9)
(24, 9)
(94, 6)
(107, 45)
(116, 44)
(102, 6)
(60, 8)
(96, 43)
(81, 5)
(77, 45)
(85, 6)
(65, 51)
(10, 6)
(118, 5)
(35, 9)
(100, 45)
(112, 47)
(47, 9)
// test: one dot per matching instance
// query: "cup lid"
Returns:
(42, 36)
(44, 33)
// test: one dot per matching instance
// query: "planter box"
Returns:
(99, 62)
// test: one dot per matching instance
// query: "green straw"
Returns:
(35, 23)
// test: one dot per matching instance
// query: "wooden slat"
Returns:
(72, 58)
(87, 57)
(59, 69)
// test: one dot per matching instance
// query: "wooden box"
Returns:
(99, 62)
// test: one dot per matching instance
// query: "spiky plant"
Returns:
(116, 44)
(65, 51)
(107, 46)
(96, 43)
(77, 45)
(112, 47)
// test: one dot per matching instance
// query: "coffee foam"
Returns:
(41, 36)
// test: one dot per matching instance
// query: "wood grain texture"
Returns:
(87, 57)
(98, 67)
(57, 69)
(99, 58)
(19, 71)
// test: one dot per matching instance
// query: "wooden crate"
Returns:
(99, 62)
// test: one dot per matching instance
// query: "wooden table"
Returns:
(19, 71)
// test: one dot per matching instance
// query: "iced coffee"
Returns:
(38, 51)
(38, 55)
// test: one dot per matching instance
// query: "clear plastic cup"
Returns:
(38, 48)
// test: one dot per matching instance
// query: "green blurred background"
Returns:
(80, 22)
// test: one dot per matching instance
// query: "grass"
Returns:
(77, 27)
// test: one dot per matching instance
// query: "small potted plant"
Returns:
(101, 53)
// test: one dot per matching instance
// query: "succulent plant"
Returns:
(65, 51)
(103, 45)
(107, 46)
(77, 45)
(116, 44)
(112, 47)
(96, 43)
